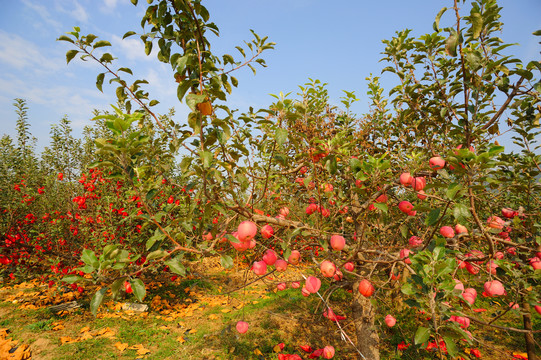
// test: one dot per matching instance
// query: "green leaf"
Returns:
(126, 70)
(193, 99)
(451, 44)
(451, 346)
(70, 55)
(421, 335)
(281, 136)
(65, 38)
(129, 33)
(432, 217)
(383, 207)
(148, 47)
(206, 158)
(153, 103)
(452, 190)
(138, 288)
(331, 166)
(175, 266)
(90, 258)
(477, 24)
(436, 24)
(101, 43)
(99, 81)
(156, 255)
(70, 279)
(97, 299)
(115, 287)
(461, 212)
(226, 261)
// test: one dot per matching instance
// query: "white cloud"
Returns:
(133, 48)
(73, 9)
(43, 13)
(18, 53)
(109, 5)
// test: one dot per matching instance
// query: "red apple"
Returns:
(406, 179)
(405, 206)
(295, 284)
(494, 288)
(127, 286)
(436, 163)
(491, 267)
(499, 255)
(280, 265)
(267, 231)
(305, 292)
(240, 246)
(421, 195)
(328, 269)
(509, 213)
(447, 232)
(270, 257)
(390, 321)
(338, 242)
(535, 262)
(404, 255)
(461, 229)
(462, 320)
(284, 211)
(459, 286)
(495, 222)
(470, 298)
(259, 268)
(328, 352)
(294, 257)
(382, 198)
(538, 309)
(349, 266)
(415, 241)
(246, 230)
(366, 288)
(471, 268)
(242, 327)
(312, 284)
(281, 286)
(418, 183)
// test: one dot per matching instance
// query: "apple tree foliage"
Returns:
(337, 173)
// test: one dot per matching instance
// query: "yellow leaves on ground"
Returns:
(121, 346)
(9, 350)
(181, 339)
(57, 326)
(258, 352)
(86, 334)
(141, 350)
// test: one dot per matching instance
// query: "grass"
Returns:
(193, 319)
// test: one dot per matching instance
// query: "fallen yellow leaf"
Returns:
(257, 352)
(67, 340)
(181, 340)
(213, 317)
(120, 346)
(85, 329)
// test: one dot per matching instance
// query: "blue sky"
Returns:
(338, 43)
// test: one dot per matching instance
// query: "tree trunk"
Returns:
(363, 317)
(530, 343)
